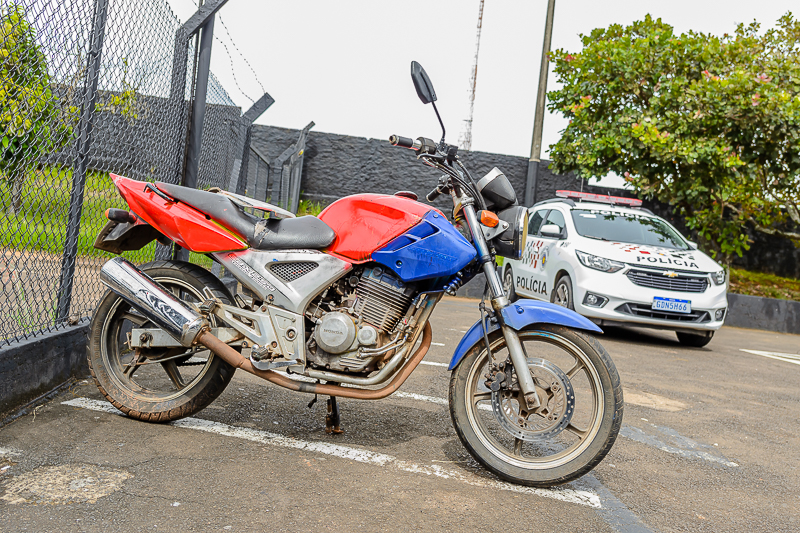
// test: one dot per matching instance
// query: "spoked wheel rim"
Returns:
(567, 442)
(562, 295)
(152, 375)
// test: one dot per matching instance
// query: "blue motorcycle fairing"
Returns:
(433, 248)
(519, 315)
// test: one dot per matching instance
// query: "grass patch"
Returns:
(764, 285)
(41, 221)
(307, 207)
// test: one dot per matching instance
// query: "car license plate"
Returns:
(672, 305)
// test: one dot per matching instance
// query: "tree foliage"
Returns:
(29, 112)
(708, 124)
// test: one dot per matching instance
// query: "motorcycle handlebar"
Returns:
(405, 142)
(434, 194)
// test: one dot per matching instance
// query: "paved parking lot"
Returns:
(709, 443)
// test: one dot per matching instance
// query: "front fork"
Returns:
(499, 302)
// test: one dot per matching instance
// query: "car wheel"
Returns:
(562, 293)
(508, 285)
(694, 340)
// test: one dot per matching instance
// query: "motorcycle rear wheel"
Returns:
(137, 383)
(581, 395)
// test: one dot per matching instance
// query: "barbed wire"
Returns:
(230, 58)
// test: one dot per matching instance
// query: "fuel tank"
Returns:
(414, 240)
(365, 223)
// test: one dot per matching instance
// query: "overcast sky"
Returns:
(345, 64)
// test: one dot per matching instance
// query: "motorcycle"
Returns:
(335, 305)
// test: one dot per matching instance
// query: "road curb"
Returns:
(36, 366)
(770, 314)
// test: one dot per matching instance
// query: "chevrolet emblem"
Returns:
(671, 274)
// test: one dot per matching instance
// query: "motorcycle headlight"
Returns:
(496, 190)
(599, 263)
(718, 277)
(512, 241)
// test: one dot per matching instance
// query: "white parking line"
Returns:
(785, 357)
(437, 344)
(420, 397)
(581, 497)
(683, 446)
(431, 363)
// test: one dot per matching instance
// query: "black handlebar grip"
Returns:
(403, 142)
(433, 195)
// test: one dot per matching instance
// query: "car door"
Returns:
(525, 268)
(541, 277)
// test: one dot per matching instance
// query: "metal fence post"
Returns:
(260, 188)
(84, 141)
(199, 106)
(286, 172)
(296, 169)
(188, 163)
(239, 180)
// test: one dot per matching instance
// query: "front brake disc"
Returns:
(545, 422)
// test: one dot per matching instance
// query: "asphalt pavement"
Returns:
(709, 443)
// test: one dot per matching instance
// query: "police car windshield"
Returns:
(626, 227)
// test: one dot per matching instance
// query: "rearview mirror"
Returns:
(551, 230)
(422, 83)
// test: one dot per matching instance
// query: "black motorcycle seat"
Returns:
(307, 232)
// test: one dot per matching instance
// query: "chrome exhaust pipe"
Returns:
(153, 301)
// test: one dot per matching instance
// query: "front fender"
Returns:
(519, 315)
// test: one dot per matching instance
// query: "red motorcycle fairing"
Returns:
(183, 224)
(365, 223)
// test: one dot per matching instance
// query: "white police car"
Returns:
(618, 264)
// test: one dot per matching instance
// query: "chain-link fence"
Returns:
(91, 87)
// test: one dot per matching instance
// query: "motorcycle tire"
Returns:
(136, 382)
(580, 417)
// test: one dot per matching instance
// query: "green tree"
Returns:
(708, 124)
(30, 121)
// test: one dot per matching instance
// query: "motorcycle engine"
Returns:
(356, 317)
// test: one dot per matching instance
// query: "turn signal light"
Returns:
(120, 215)
(489, 219)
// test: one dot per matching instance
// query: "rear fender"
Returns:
(520, 315)
(118, 237)
(179, 222)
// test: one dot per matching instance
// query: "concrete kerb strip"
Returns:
(37, 366)
(770, 314)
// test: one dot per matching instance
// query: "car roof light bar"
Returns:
(600, 198)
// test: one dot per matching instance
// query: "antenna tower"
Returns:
(466, 136)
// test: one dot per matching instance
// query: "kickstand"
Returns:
(332, 418)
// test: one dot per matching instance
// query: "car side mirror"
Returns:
(692, 245)
(551, 230)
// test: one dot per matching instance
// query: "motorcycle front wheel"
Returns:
(569, 434)
(159, 384)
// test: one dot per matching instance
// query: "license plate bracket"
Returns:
(672, 305)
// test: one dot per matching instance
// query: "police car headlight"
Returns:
(599, 263)
(512, 241)
(718, 277)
